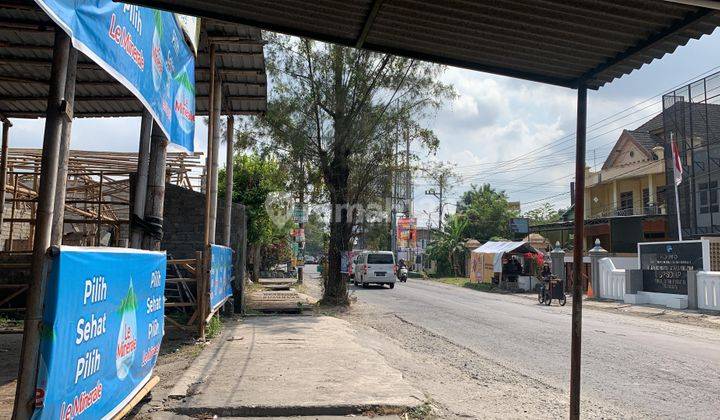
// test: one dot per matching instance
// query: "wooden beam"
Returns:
(369, 20)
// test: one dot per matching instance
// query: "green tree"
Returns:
(448, 249)
(316, 231)
(487, 213)
(545, 213)
(342, 111)
(255, 177)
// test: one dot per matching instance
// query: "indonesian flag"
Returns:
(677, 165)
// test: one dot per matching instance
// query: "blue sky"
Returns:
(493, 119)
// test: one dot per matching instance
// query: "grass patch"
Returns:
(214, 327)
(423, 411)
(10, 323)
(465, 282)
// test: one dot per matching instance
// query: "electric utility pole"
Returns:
(442, 175)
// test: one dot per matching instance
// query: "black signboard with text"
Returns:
(665, 265)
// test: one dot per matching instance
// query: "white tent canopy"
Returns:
(500, 248)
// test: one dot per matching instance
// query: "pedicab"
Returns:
(551, 288)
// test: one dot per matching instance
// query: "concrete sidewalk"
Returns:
(290, 366)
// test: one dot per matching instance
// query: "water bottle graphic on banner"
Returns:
(127, 336)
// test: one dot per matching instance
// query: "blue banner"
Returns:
(144, 49)
(103, 324)
(220, 275)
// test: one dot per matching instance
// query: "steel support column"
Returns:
(227, 224)
(577, 293)
(58, 223)
(141, 178)
(155, 197)
(27, 375)
(3, 167)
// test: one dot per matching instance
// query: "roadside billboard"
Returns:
(144, 49)
(102, 327)
(407, 233)
(220, 275)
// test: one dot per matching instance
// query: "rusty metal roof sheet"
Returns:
(552, 41)
(26, 39)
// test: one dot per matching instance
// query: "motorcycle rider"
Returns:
(400, 266)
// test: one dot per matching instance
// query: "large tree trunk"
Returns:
(337, 174)
(335, 292)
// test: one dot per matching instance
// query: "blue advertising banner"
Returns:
(103, 324)
(220, 274)
(144, 49)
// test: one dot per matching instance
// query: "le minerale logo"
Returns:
(127, 339)
(81, 402)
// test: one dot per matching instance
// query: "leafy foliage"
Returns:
(544, 214)
(487, 213)
(255, 177)
(449, 248)
(316, 233)
(342, 112)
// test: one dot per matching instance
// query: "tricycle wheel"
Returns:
(563, 300)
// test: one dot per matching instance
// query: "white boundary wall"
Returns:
(612, 280)
(708, 290)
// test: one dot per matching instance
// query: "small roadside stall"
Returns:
(491, 261)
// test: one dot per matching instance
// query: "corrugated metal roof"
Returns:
(26, 39)
(552, 41)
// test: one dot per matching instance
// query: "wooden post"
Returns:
(12, 212)
(202, 276)
(154, 202)
(579, 240)
(239, 295)
(27, 376)
(58, 224)
(141, 178)
(217, 103)
(99, 210)
(3, 167)
(227, 224)
(210, 233)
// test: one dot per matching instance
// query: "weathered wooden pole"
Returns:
(155, 197)
(227, 223)
(58, 224)
(575, 352)
(239, 295)
(208, 160)
(141, 178)
(213, 192)
(6, 124)
(27, 375)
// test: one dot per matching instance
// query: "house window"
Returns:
(646, 198)
(626, 201)
(708, 197)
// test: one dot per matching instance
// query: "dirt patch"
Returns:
(10, 345)
(178, 350)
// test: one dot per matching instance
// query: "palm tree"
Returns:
(451, 243)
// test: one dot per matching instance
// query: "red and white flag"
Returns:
(677, 165)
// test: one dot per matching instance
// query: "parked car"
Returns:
(309, 259)
(375, 267)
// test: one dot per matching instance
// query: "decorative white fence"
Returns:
(708, 290)
(612, 280)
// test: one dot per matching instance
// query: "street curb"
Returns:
(287, 411)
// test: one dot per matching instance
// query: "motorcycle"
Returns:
(403, 274)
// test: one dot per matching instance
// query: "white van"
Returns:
(375, 267)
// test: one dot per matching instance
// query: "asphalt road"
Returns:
(633, 366)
